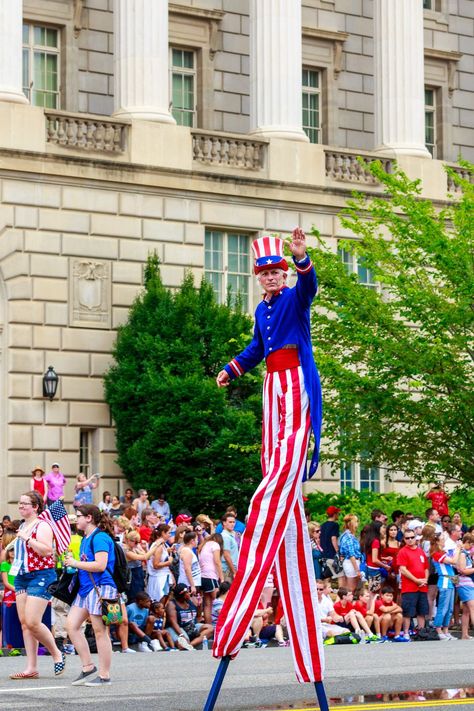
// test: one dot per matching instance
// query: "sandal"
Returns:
(59, 667)
(25, 675)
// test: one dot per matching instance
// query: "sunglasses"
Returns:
(409, 538)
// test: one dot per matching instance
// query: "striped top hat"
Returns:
(268, 253)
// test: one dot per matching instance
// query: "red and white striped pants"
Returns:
(276, 532)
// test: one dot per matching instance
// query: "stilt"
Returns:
(216, 684)
(321, 694)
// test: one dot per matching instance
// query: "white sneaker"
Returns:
(143, 647)
(185, 643)
(128, 651)
(444, 637)
(155, 645)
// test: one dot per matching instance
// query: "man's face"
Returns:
(435, 516)
(229, 523)
(143, 495)
(144, 604)
(272, 280)
(456, 535)
(410, 539)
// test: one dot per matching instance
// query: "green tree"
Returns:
(176, 431)
(397, 361)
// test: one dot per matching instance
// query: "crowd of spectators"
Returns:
(391, 578)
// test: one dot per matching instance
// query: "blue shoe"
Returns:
(401, 638)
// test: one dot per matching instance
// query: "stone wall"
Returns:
(352, 113)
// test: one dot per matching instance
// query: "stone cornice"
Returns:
(320, 33)
(451, 58)
(334, 36)
(198, 12)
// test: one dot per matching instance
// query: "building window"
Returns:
(312, 104)
(357, 265)
(41, 48)
(183, 86)
(85, 437)
(358, 477)
(227, 266)
(430, 121)
(369, 479)
(432, 5)
(347, 479)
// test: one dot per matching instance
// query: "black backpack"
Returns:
(121, 573)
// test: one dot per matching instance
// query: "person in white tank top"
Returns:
(189, 568)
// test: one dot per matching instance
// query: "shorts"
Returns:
(374, 577)
(35, 583)
(465, 592)
(267, 632)
(91, 602)
(208, 585)
(348, 568)
(415, 603)
(175, 636)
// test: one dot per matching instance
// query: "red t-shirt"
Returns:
(340, 610)
(360, 607)
(439, 501)
(145, 533)
(370, 563)
(378, 604)
(416, 562)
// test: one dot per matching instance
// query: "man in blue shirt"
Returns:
(230, 554)
(276, 530)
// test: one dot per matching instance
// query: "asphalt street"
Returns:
(258, 680)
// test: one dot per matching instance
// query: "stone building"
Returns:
(189, 127)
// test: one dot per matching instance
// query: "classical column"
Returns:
(276, 69)
(11, 22)
(399, 77)
(141, 60)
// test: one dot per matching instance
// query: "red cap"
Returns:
(183, 518)
(331, 510)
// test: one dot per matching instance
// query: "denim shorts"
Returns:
(35, 584)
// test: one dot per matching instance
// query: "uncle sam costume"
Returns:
(276, 531)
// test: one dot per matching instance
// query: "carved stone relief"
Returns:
(89, 293)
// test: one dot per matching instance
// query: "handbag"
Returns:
(337, 564)
(111, 609)
(66, 587)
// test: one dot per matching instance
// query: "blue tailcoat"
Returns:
(284, 320)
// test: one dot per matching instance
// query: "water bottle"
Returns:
(70, 569)
(205, 643)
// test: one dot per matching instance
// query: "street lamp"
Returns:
(50, 383)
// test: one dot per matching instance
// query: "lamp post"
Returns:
(50, 383)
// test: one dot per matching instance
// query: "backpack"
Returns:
(121, 573)
(426, 634)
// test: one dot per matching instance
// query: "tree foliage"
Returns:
(176, 431)
(397, 361)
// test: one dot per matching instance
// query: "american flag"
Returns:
(56, 516)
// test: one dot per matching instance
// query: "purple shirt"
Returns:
(55, 485)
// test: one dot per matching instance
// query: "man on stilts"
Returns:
(276, 531)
